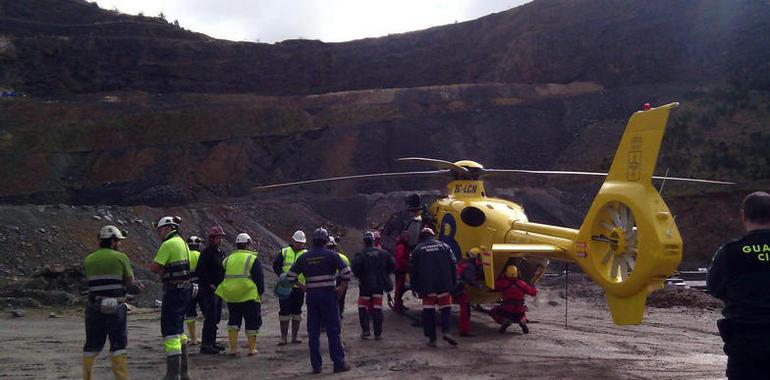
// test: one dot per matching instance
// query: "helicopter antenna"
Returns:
(660, 191)
(566, 293)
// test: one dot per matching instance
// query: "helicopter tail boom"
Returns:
(629, 243)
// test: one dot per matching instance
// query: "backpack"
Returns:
(282, 288)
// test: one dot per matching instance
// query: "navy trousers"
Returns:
(322, 308)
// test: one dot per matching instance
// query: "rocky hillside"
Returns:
(54, 47)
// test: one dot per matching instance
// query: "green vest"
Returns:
(194, 256)
(174, 256)
(289, 258)
(106, 270)
(238, 285)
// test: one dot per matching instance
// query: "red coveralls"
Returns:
(469, 278)
(512, 307)
(402, 269)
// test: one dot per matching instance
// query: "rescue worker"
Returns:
(511, 308)
(172, 263)
(400, 235)
(242, 289)
(434, 275)
(739, 275)
(320, 266)
(210, 274)
(109, 277)
(373, 267)
(470, 275)
(194, 244)
(290, 310)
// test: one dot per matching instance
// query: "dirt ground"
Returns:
(673, 343)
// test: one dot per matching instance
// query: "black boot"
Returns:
(183, 374)
(377, 323)
(524, 328)
(173, 366)
(284, 332)
(295, 330)
(363, 319)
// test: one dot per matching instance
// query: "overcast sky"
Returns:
(325, 20)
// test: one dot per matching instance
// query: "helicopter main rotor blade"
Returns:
(438, 164)
(429, 173)
(599, 174)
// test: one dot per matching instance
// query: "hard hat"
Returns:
(369, 236)
(168, 221)
(427, 232)
(320, 234)
(109, 232)
(242, 238)
(332, 242)
(473, 252)
(194, 240)
(216, 231)
(299, 237)
(512, 271)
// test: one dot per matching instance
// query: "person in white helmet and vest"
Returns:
(242, 289)
(110, 277)
(290, 309)
(172, 263)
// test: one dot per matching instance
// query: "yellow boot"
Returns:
(252, 345)
(88, 367)
(193, 333)
(120, 367)
(232, 336)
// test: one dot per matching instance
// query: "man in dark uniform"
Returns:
(211, 273)
(109, 277)
(740, 276)
(434, 275)
(373, 267)
(320, 265)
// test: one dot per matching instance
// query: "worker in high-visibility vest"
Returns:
(194, 243)
(110, 277)
(290, 309)
(172, 263)
(242, 290)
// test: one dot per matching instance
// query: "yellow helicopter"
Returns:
(628, 242)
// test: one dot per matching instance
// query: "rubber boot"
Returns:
(295, 330)
(363, 319)
(232, 336)
(193, 333)
(120, 367)
(284, 332)
(88, 367)
(252, 345)
(183, 373)
(173, 366)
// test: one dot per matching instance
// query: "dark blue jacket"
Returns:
(373, 267)
(434, 268)
(320, 267)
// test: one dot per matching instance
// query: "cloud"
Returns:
(328, 20)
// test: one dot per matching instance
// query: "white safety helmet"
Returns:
(242, 238)
(168, 221)
(109, 232)
(299, 237)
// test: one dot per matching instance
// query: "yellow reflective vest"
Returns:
(289, 258)
(238, 285)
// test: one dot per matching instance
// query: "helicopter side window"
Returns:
(473, 216)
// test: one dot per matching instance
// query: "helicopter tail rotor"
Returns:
(629, 243)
